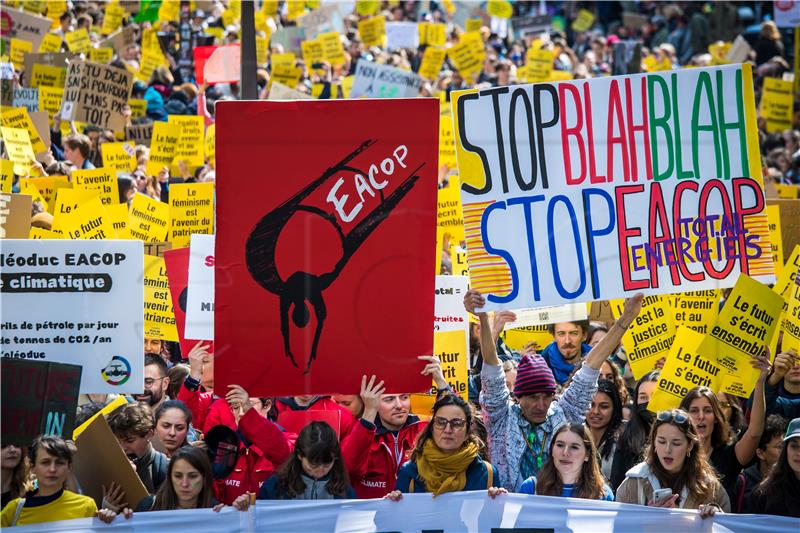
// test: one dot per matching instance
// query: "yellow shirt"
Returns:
(65, 505)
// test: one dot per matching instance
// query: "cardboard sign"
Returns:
(294, 421)
(191, 211)
(687, 366)
(529, 25)
(100, 461)
(775, 237)
(96, 94)
(139, 133)
(358, 223)
(103, 180)
(108, 409)
(650, 335)
(61, 303)
(149, 219)
(159, 319)
(790, 221)
(382, 81)
(190, 141)
(200, 300)
(163, 146)
(326, 18)
(24, 26)
(15, 216)
(401, 35)
(631, 222)
(38, 399)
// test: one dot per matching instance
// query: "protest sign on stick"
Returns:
(646, 195)
(61, 303)
(368, 202)
(96, 94)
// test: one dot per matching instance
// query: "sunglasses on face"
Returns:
(442, 423)
(677, 415)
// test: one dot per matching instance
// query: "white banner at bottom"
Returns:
(472, 512)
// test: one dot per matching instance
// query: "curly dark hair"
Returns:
(131, 419)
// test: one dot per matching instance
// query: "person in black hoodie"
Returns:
(768, 452)
(779, 493)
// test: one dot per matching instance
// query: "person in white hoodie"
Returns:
(675, 473)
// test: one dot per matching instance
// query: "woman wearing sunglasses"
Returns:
(446, 457)
(675, 472)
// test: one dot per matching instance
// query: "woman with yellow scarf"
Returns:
(446, 457)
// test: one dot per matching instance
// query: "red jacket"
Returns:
(199, 403)
(264, 447)
(373, 455)
(321, 403)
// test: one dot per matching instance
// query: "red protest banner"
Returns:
(217, 64)
(323, 272)
(294, 421)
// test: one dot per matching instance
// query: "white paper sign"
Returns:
(402, 35)
(549, 315)
(449, 313)
(200, 296)
(381, 81)
(79, 302)
(787, 13)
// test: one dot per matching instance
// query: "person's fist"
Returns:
(473, 300)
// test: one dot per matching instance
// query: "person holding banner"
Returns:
(446, 457)
(573, 470)
(51, 463)
(779, 493)
(727, 455)
(675, 472)
(520, 434)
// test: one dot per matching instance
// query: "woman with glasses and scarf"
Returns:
(446, 457)
(675, 472)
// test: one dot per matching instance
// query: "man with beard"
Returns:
(156, 381)
(568, 348)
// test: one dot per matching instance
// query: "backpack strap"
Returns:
(158, 470)
(489, 475)
(18, 511)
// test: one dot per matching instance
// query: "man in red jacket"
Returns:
(318, 403)
(385, 435)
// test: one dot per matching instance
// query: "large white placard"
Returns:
(381, 81)
(448, 304)
(79, 302)
(200, 296)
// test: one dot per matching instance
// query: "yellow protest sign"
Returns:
(138, 107)
(432, 61)
(119, 156)
(652, 64)
(55, 8)
(696, 310)
(18, 118)
(152, 58)
(539, 65)
(500, 8)
(312, 52)
(78, 41)
(163, 145)
(367, 7)
(18, 147)
(775, 237)
(447, 142)
(432, 33)
(583, 21)
(18, 49)
(112, 18)
(262, 49)
(372, 30)
(745, 325)
(101, 55)
(51, 43)
(451, 349)
(159, 318)
(449, 214)
(517, 338)
(467, 56)
(287, 75)
(110, 408)
(67, 200)
(332, 48)
(347, 84)
(50, 100)
(149, 219)
(88, 221)
(190, 141)
(791, 322)
(719, 52)
(777, 103)
(295, 8)
(28, 188)
(191, 211)
(6, 175)
(169, 11)
(103, 180)
(117, 214)
(458, 260)
(41, 233)
(787, 191)
(650, 335)
(48, 76)
(686, 367)
(286, 58)
(48, 187)
(473, 25)
(210, 145)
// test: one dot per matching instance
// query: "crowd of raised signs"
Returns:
(105, 105)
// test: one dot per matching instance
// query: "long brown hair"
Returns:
(316, 442)
(427, 433)
(722, 430)
(697, 474)
(19, 475)
(167, 499)
(590, 485)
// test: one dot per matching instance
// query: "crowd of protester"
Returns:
(564, 420)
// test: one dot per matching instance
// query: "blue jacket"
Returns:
(561, 369)
(781, 402)
(529, 487)
(477, 477)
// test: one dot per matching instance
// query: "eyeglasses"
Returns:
(456, 423)
(149, 382)
(677, 415)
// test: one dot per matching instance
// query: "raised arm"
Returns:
(746, 447)
(472, 300)
(597, 355)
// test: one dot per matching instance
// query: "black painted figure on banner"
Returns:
(302, 289)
